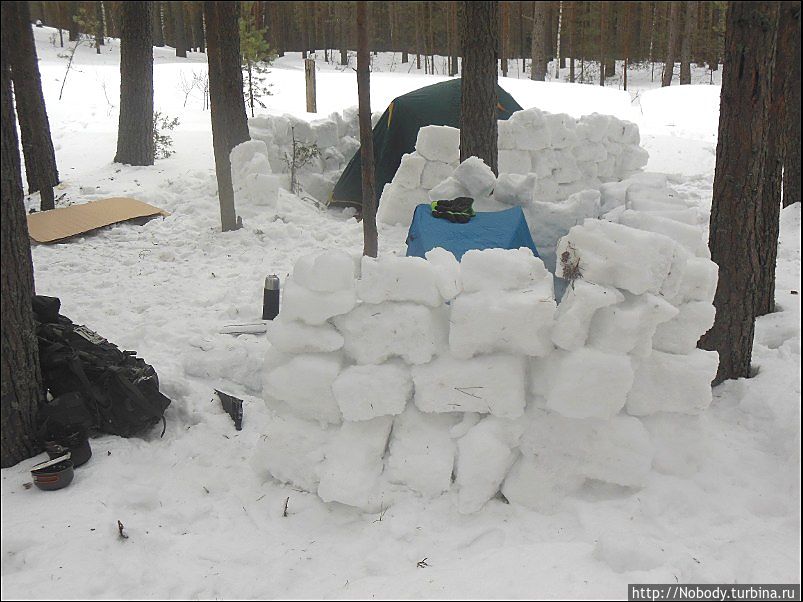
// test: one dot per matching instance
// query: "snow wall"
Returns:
(428, 375)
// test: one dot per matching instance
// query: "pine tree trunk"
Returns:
(671, 42)
(504, 17)
(570, 12)
(538, 54)
(20, 378)
(229, 121)
(769, 212)
(135, 131)
(99, 30)
(370, 247)
(156, 24)
(72, 13)
(744, 130)
(37, 144)
(478, 99)
(685, 46)
(603, 9)
(791, 165)
(198, 27)
(179, 32)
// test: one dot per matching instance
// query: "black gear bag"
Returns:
(120, 392)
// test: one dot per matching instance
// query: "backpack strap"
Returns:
(137, 395)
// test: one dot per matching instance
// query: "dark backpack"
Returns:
(120, 391)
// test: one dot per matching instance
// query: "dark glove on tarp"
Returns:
(458, 210)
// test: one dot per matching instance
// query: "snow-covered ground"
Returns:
(722, 503)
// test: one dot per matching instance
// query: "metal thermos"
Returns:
(270, 298)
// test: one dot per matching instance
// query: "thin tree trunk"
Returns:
(504, 10)
(627, 9)
(685, 46)
(135, 131)
(99, 41)
(156, 21)
(557, 42)
(744, 130)
(603, 9)
(769, 212)
(37, 144)
(478, 98)
(229, 121)
(179, 32)
(791, 166)
(366, 134)
(538, 55)
(671, 43)
(20, 378)
(72, 13)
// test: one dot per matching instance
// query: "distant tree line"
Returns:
(575, 32)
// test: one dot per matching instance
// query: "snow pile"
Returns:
(385, 387)
(544, 159)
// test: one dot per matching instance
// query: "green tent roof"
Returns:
(396, 132)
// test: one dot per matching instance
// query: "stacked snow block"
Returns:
(544, 159)
(256, 187)
(337, 138)
(433, 376)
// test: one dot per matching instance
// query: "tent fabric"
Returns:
(397, 130)
(487, 230)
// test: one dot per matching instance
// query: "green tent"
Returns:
(396, 132)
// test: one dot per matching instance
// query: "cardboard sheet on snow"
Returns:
(58, 224)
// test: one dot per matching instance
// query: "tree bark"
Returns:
(37, 144)
(685, 46)
(20, 378)
(538, 49)
(791, 166)
(478, 99)
(744, 130)
(99, 30)
(72, 13)
(370, 245)
(135, 131)
(603, 9)
(179, 32)
(156, 24)
(227, 106)
(671, 43)
(769, 210)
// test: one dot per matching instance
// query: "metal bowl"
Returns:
(54, 474)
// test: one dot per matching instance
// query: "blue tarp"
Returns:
(492, 230)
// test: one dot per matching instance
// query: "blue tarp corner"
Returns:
(487, 230)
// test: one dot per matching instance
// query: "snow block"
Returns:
(579, 303)
(544, 162)
(561, 130)
(409, 173)
(503, 269)
(590, 384)
(325, 272)
(681, 333)
(698, 282)
(375, 333)
(350, 473)
(616, 255)
(514, 189)
(485, 384)
(422, 452)
(447, 190)
(691, 237)
(476, 177)
(484, 456)
(305, 384)
(665, 382)
(540, 483)
(392, 278)
(434, 173)
(507, 321)
(439, 143)
(514, 161)
(291, 450)
(312, 307)
(365, 392)
(593, 127)
(397, 204)
(633, 158)
(253, 184)
(447, 272)
(297, 337)
(629, 326)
